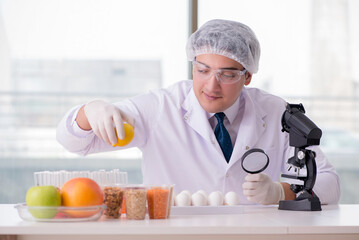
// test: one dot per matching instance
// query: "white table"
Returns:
(255, 222)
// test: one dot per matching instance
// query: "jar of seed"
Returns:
(113, 198)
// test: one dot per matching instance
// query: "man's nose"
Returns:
(213, 81)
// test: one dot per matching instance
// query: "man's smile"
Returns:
(210, 96)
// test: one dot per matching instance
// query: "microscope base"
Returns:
(307, 204)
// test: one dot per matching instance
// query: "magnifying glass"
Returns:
(255, 161)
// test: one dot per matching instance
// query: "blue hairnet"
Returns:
(227, 38)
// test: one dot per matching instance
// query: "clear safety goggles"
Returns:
(224, 76)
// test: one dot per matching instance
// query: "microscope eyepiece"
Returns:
(302, 131)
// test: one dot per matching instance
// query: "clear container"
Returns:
(158, 200)
(170, 201)
(135, 199)
(59, 214)
(113, 198)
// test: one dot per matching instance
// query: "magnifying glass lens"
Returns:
(255, 161)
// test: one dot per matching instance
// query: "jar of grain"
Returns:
(135, 198)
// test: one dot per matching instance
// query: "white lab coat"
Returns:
(179, 147)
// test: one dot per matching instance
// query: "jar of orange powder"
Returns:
(158, 201)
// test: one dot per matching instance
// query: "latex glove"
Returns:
(261, 189)
(104, 117)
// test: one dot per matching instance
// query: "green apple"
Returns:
(43, 196)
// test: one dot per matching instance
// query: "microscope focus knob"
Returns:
(301, 155)
(296, 188)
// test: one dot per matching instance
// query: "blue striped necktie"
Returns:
(223, 137)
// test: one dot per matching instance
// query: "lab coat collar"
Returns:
(197, 117)
(251, 128)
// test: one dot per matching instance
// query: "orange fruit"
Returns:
(129, 133)
(81, 192)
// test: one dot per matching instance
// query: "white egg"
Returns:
(187, 192)
(231, 198)
(183, 199)
(203, 192)
(220, 193)
(198, 199)
(215, 198)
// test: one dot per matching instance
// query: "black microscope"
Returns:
(302, 133)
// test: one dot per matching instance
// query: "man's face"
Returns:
(213, 95)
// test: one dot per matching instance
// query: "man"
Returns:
(194, 133)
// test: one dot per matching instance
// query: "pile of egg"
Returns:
(201, 198)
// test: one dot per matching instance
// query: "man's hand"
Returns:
(261, 189)
(103, 118)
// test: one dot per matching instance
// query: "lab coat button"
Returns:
(247, 147)
(185, 117)
(213, 142)
(264, 125)
(227, 175)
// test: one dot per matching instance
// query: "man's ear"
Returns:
(248, 79)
